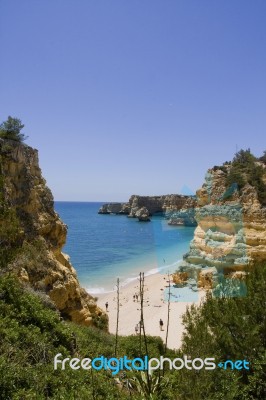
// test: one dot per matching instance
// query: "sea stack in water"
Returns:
(143, 215)
(115, 208)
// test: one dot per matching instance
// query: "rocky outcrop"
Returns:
(143, 214)
(165, 204)
(180, 278)
(114, 208)
(184, 216)
(230, 233)
(41, 262)
(172, 206)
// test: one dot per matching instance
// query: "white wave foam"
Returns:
(97, 290)
(153, 271)
(161, 269)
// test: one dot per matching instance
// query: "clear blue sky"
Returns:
(134, 96)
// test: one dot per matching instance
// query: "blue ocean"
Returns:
(103, 248)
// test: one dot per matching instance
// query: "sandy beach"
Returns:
(155, 307)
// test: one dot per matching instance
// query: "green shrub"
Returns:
(11, 129)
(31, 335)
(228, 328)
(244, 169)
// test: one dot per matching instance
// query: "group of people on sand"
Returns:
(137, 326)
(135, 297)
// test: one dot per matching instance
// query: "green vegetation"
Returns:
(10, 229)
(263, 158)
(32, 333)
(10, 236)
(11, 129)
(245, 169)
(228, 328)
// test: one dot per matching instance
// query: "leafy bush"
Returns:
(228, 328)
(11, 236)
(31, 335)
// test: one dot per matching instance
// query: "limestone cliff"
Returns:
(173, 206)
(40, 260)
(231, 229)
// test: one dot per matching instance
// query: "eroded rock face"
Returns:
(160, 204)
(230, 232)
(173, 206)
(184, 216)
(114, 208)
(143, 214)
(180, 278)
(43, 266)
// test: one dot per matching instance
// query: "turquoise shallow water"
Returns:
(105, 247)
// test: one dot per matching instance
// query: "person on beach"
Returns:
(106, 306)
(134, 297)
(137, 329)
(161, 324)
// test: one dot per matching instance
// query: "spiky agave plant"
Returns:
(147, 390)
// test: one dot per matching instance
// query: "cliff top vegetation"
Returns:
(246, 168)
(11, 129)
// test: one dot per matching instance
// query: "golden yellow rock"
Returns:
(206, 279)
(231, 230)
(46, 269)
(180, 277)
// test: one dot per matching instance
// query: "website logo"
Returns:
(145, 364)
